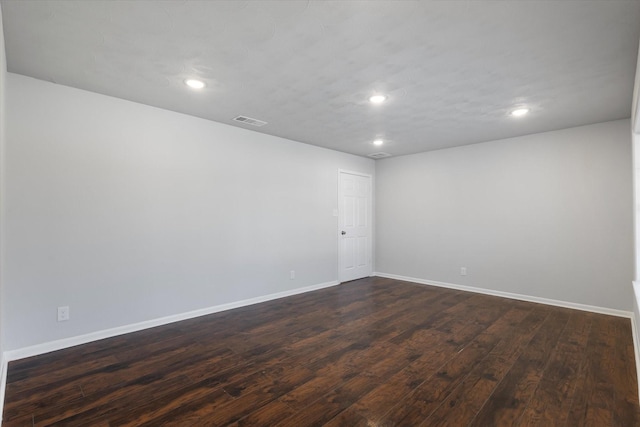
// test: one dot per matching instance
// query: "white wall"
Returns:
(546, 215)
(636, 222)
(127, 213)
(635, 136)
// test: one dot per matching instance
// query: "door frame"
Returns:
(370, 219)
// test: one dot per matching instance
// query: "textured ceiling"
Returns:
(452, 70)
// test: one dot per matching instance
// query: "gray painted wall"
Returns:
(128, 213)
(547, 215)
(3, 85)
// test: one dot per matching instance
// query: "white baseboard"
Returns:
(528, 298)
(47, 347)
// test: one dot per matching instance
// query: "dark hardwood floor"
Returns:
(373, 352)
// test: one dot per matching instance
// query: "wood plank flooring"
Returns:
(373, 352)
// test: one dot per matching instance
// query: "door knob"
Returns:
(343, 232)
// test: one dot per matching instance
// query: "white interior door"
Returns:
(354, 226)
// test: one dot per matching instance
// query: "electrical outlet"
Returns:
(463, 271)
(63, 313)
(292, 274)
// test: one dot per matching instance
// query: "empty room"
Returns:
(319, 213)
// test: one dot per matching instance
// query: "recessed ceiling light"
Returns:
(519, 112)
(377, 99)
(378, 142)
(195, 84)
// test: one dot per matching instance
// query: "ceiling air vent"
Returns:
(250, 121)
(379, 155)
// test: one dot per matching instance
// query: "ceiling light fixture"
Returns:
(519, 112)
(378, 142)
(377, 99)
(195, 84)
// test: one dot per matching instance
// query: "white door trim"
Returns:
(339, 225)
